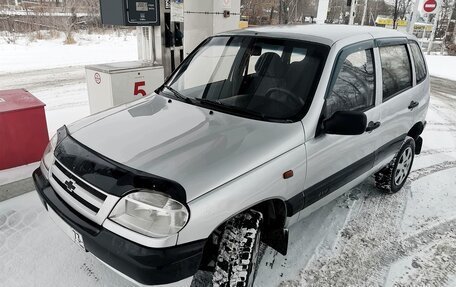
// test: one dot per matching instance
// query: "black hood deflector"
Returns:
(110, 176)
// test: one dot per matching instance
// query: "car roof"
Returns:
(326, 34)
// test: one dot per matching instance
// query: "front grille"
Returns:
(85, 198)
(81, 183)
(75, 195)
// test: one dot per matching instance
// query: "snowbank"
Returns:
(442, 66)
(46, 54)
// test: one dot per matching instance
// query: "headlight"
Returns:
(150, 213)
(48, 156)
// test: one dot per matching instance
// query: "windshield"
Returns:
(272, 79)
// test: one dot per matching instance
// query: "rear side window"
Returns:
(396, 70)
(420, 66)
(354, 87)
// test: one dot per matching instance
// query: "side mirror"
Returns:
(346, 123)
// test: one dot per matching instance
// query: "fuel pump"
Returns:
(160, 28)
(130, 12)
(114, 84)
(173, 34)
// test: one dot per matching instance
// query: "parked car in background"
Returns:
(256, 129)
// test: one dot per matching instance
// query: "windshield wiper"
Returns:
(234, 109)
(178, 95)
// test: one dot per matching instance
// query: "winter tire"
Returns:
(392, 177)
(237, 256)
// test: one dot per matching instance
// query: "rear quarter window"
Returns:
(396, 70)
(420, 66)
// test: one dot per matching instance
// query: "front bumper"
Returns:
(149, 266)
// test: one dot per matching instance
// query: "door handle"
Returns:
(372, 126)
(413, 105)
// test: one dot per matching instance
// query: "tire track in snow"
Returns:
(437, 259)
(422, 172)
(436, 151)
(372, 241)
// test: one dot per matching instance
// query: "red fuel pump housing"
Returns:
(23, 129)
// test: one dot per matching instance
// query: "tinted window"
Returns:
(354, 88)
(420, 66)
(396, 71)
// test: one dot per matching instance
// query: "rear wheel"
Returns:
(238, 251)
(393, 177)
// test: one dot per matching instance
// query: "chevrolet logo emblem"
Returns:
(70, 185)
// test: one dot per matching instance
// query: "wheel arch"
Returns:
(274, 234)
(416, 130)
(415, 133)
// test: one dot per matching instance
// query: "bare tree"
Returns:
(277, 11)
(403, 8)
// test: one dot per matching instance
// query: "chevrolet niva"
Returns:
(255, 130)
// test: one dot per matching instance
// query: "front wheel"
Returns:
(238, 251)
(393, 177)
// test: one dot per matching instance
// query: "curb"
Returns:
(16, 188)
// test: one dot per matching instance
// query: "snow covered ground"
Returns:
(442, 66)
(48, 54)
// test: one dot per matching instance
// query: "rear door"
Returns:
(397, 95)
(336, 160)
(421, 88)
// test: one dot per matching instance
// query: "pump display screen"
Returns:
(143, 12)
(142, 6)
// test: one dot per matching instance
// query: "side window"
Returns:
(420, 66)
(396, 70)
(354, 88)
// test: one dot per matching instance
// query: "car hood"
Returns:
(185, 143)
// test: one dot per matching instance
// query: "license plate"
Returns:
(73, 234)
(77, 238)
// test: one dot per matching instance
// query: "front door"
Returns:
(333, 161)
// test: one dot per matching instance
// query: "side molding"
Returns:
(342, 177)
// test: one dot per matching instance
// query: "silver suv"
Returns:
(256, 129)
